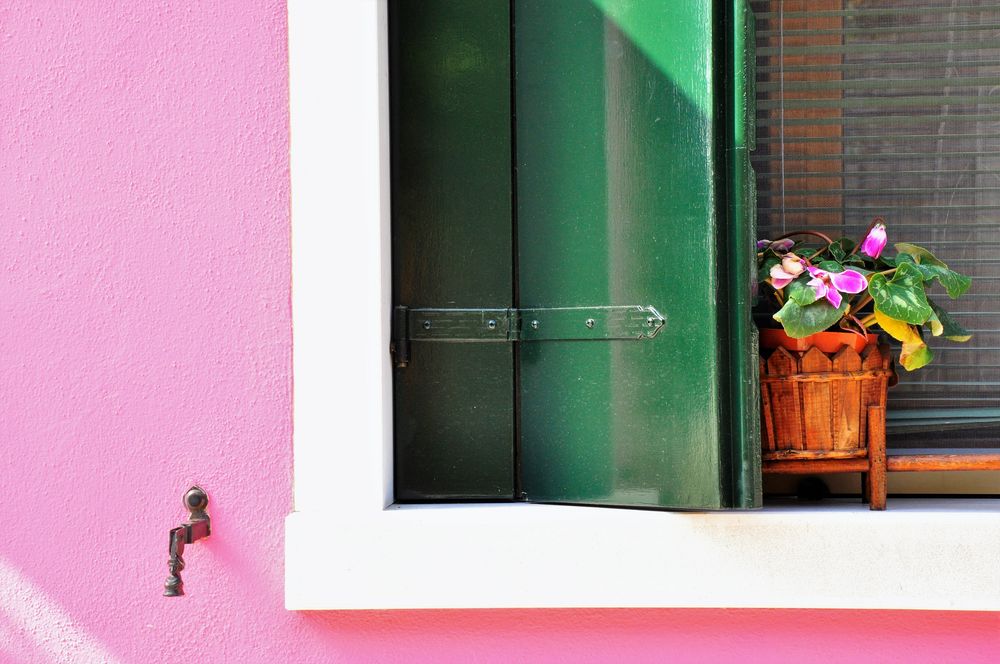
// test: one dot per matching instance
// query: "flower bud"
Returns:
(874, 243)
(781, 246)
(792, 265)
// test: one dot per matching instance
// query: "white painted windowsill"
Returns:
(919, 554)
(347, 547)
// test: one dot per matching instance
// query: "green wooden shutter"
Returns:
(451, 241)
(631, 187)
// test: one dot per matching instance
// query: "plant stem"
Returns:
(868, 320)
(823, 236)
(864, 328)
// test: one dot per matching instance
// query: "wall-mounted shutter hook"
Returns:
(198, 525)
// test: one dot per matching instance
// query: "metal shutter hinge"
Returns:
(631, 322)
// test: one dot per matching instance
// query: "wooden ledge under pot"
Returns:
(823, 403)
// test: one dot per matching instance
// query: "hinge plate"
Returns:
(631, 322)
(459, 324)
(595, 323)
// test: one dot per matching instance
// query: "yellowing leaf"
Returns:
(897, 329)
(915, 352)
(936, 327)
(914, 356)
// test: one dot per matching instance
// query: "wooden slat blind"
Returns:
(892, 108)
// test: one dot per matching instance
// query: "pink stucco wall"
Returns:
(145, 343)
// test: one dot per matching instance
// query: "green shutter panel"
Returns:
(451, 228)
(623, 122)
(631, 190)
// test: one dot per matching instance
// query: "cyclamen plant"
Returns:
(840, 284)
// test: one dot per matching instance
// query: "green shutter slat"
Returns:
(451, 224)
(741, 410)
(622, 174)
(567, 445)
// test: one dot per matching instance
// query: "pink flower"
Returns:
(874, 243)
(783, 273)
(831, 284)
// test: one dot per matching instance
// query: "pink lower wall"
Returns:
(145, 344)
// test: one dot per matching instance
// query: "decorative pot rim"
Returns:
(829, 341)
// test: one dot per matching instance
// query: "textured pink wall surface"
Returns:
(145, 344)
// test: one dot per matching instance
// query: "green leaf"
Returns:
(956, 284)
(837, 251)
(920, 255)
(800, 293)
(932, 268)
(764, 271)
(902, 297)
(834, 266)
(949, 326)
(831, 266)
(801, 321)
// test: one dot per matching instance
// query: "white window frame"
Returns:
(348, 547)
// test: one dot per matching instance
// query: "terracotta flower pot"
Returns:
(828, 342)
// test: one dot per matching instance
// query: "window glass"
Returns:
(890, 108)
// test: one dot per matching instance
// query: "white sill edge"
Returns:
(919, 554)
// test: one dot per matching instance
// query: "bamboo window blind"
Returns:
(892, 108)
